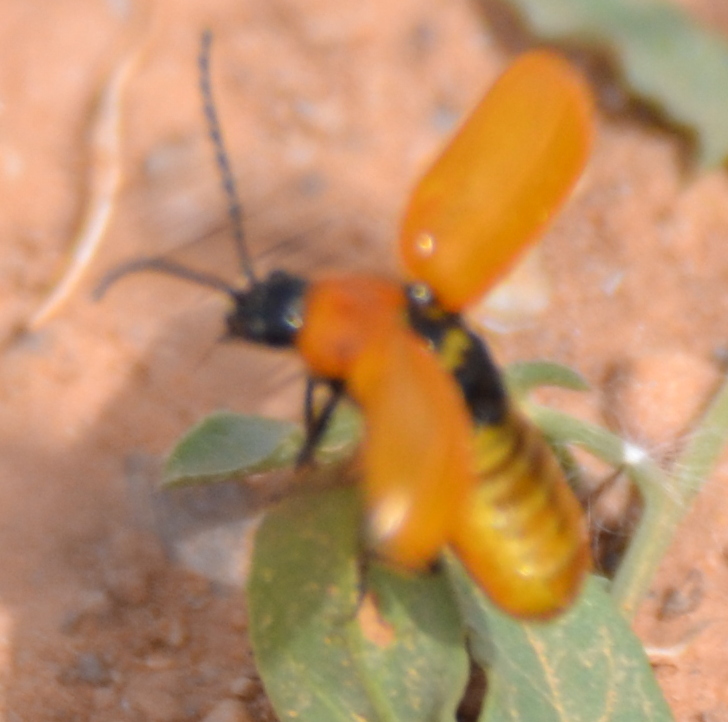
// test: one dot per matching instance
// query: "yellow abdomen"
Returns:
(522, 535)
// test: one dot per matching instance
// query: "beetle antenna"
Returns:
(235, 209)
(161, 265)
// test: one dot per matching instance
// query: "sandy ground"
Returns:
(331, 110)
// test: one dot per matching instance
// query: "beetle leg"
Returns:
(317, 422)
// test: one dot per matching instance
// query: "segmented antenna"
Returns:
(235, 209)
(165, 266)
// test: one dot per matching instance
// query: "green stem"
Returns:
(667, 498)
(662, 508)
(667, 501)
(706, 442)
(653, 535)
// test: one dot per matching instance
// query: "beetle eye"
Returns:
(421, 293)
(294, 319)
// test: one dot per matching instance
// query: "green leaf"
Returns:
(331, 647)
(343, 434)
(586, 665)
(664, 54)
(226, 444)
(523, 377)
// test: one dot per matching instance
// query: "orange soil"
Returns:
(331, 110)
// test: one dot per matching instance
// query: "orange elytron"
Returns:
(499, 181)
(521, 531)
(447, 460)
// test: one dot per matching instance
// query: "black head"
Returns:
(270, 312)
(265, 311)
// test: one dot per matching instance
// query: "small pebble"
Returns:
(93, 604)
(133, 560)
(244, 687)
(90, 669)
(105, 699)
(683, 598)
(156, 696)
(159, 661)
(228, 710)
(173, 632)
(239, 619)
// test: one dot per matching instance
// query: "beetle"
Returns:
(447, 459)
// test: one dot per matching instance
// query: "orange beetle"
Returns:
(446, 459)
(521, 531)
